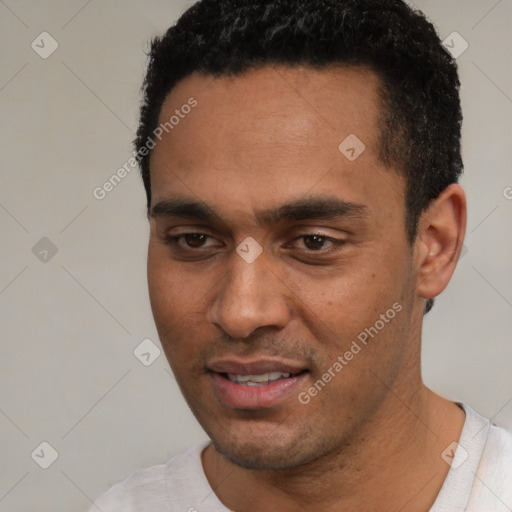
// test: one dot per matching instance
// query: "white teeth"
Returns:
(257, 380)
(278, 375)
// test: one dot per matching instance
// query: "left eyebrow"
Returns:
(312, 208)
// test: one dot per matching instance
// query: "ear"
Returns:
(441, 231)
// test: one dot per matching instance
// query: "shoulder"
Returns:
(493, 479)
(499, 446)
(497, 456)
(155, 485)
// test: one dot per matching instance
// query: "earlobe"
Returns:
(441, 232)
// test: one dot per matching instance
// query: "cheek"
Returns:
(347, 296)
(348, 306)
(171, 294)
(177, 302)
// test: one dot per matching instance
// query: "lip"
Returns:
(239, 396)
(255, 367)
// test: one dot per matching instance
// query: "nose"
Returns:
(251, 296)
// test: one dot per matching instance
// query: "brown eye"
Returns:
(191, 241)
(195, 240)
(318, 243)
(314, 242)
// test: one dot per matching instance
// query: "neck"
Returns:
(393, 461)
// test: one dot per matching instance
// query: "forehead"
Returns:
(279, 105)
(272, 134)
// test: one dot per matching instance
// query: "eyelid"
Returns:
(173, 241)
(336, 242)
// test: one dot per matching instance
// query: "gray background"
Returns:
(70, 323)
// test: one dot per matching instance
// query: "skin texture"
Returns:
(372, 438)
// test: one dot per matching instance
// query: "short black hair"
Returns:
(421, 113)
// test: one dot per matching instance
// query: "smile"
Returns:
(257, 380)
(256, 384)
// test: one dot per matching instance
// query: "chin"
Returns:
(268, 453)
(252, 457)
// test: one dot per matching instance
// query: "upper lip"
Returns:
(254, 367)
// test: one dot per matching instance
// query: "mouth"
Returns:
(255, 384)
(256, 380)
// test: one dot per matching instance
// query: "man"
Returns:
(301, 160)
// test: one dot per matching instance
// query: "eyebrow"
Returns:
(312, 208)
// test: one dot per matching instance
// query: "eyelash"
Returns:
(173, 241)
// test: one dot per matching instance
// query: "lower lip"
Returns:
(239, 396)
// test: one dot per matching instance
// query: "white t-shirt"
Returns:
(479, 479)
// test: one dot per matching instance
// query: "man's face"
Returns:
(256, 143)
